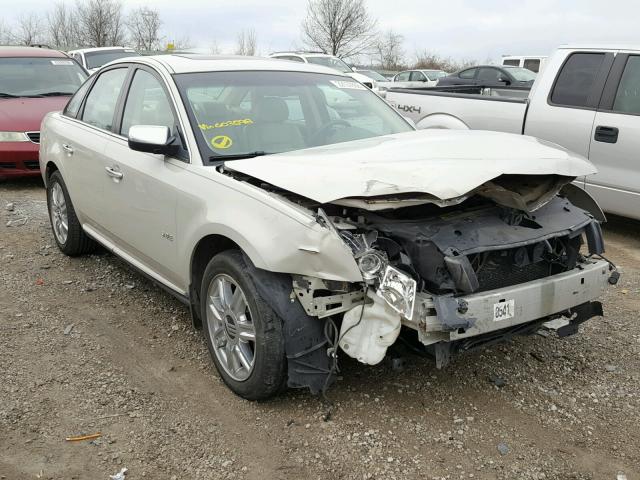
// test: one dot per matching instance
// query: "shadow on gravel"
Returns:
(21, 183)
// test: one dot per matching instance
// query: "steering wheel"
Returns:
(324, 130)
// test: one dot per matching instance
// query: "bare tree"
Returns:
(29, 29)
(144, 24)
(101, 23)
(214, 48)
(340, 27)
(247, 43)
(389, 51)
(62, 27)
(6, 35)
(430, 60)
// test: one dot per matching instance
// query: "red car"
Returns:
(33, 82)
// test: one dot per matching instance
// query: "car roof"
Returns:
(303, 54)
(6, 51)
(99, 49)
(221, 63)
(600, 46)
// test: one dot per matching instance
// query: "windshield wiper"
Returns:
(237, 156)
(8, 95)
(50, 94)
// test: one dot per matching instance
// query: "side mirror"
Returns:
(505, 80)
(152, 139)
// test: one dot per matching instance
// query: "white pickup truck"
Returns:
(587, 99)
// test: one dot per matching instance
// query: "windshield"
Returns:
(373, 75)
(331, 62)
(102, 57)
(236, 113)
(23, 77)
(522, 74)
(435, 75)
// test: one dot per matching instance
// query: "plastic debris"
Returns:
(68, 328)
(80, 438)
(503, 448)
(621, 476)
(120, 475)
(10, 207)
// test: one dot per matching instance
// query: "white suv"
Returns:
(319, 58)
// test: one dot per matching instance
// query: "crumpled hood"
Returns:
(26, 114)
(445, 164)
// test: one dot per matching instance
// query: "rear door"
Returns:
(566, 114)
(83, 139)
(143, 193)
(615, 140)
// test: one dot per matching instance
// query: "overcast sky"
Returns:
(463, 29)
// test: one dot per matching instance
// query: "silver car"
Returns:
(298, 215)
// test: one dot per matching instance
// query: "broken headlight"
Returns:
(372, 264)
(399, 290)
(394, 286)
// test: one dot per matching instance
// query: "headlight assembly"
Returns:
(13, 137)
(399, 290)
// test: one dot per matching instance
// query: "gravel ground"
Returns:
(87, 345)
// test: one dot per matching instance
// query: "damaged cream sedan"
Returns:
(299, 216)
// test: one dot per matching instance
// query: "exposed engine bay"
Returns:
(420, 264)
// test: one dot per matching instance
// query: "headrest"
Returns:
(271, 109)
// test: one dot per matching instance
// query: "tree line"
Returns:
(344, 28)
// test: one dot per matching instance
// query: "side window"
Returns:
(532, 64)
(628, 94)
(101, 103)
(576, 80)
(488, 75)
(468, 74)
(72, 108)
(511, 63)
(147, 104)
(402, 77)
(291, 58)
(417, 77)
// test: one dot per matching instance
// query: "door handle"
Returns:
(114, 173)
(606, 134)
(67, 148)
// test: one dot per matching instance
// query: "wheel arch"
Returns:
(48, 171)
(442, 121)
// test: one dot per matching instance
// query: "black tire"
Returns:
(77, 242)
(270, 368)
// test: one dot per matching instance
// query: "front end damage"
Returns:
(461, 239)
(514, 256)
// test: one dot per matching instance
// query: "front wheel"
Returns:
(66, 227)
(244, 335)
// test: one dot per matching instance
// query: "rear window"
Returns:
(102, 57)
(628, 94)
(576, 80)
(511, 63)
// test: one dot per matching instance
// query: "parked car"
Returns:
(587, 99)
(335, 63)
(94, 58)
(33, 82)
(533, 63)
(293, 226)
(418, 78)
(490, 76)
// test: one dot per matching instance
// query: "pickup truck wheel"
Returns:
(67, 230)
(244, 335)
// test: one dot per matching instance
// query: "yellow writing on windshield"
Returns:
(228, 123)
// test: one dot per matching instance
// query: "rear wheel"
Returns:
(243, 333)
(67, 230)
